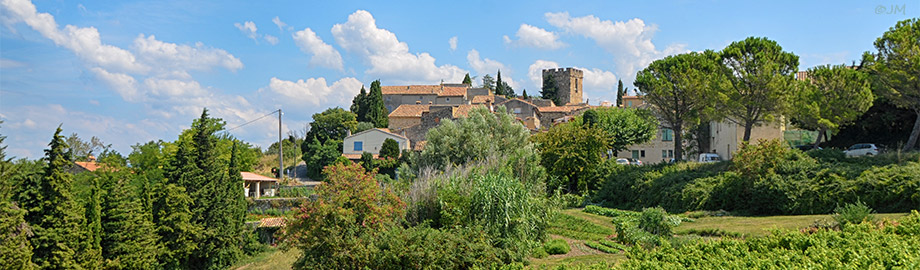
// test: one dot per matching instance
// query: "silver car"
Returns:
(861, 149)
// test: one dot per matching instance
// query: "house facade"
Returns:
(370, 141)
(256, 186)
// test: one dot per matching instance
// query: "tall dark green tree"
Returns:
(833, 96)
(92, 256)
(467, 80)
(678, 88)
(331, 124)
(57, 220)
(499, 85)
(760, 82)
(359, 105)
(894, 68)
(389, 149)
(172, 217)
(377, 112)
(620, 93)
(550, 91)
(129, 239)
(524, 94)
(15, 248)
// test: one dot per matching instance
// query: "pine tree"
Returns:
(359, 105)
(467, 80)
(499, 86)
(92, 254)
(58, 220)
(550, 91)
(620, 93)
(129, 239)
(172, 216)
(15, 248)
(524, 95)
(377, 111)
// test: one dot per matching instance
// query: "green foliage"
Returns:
(480, 135)
(422, 247)
(332, 230)
(833, 96)
(57, 220)
(620, 93)
(15, 248)
(488, 82)
(827, 155)
(570, 152)
(610, 212)
(319, 155)
(172, 217)
(760, 160)
(295, 192)
(367, 161)
(359, 107)
(893, 246)
(331, 124)
(759, 82)
(389, 149)
(377, 112)
(894, 69)
(679, 90)
(556, 247)
(506, 210)
(550, 90)
(128, 238)
(853, 213)
(623, 126)
(576, 228)
(656, 221)
(362, 126)
(467, 80)
(606, 246)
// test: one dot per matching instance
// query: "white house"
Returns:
(370, 141)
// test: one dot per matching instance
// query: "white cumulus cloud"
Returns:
(597, 82)
(387, 56)
(489, 66)
(171, 56)
(629, 42)
(249, 29)
(316, 91)
(532, 36)
(324, 55)
(281, 25)
(123, 84)
(453, 43)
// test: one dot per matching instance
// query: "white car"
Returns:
(861, 149)
(709, 157)
(623, 161)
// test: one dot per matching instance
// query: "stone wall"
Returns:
(569, 83)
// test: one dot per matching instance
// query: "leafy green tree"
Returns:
(359, 105)
(129, 239)
(57, 220)
(678, 90)
(332, 230)
(894, 68)
(620, 93)
(759, 82)
(467, 80)
(377, 112)
(833, 96)
(80, 150)
(15, 248)
(488, 82)
(362, 126)
(480, 135)
(332, 124)
(319, 155)
(623, 127)
(389, 149)
(367, 161)
(550, 90)
(570, 152)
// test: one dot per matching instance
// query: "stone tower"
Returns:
(568, 83)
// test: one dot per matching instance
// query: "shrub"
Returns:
(656, 221)
(423, 247)
(556, 246)
(827, 155)
(577, 228)
(853, 213)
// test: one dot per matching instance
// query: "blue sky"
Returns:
(134, 71)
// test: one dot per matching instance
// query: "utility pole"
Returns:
(280, 153)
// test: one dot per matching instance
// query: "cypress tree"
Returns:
(620, 93)
(550, 91)
(58, 220)
(92, 255)
(467, 80)
(172, 216)
(359, 105)
(377, 111)
(15, 248)
(499, 86)
(524, 95)
(129, 240)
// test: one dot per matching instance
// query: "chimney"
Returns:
(429, 103)
(418, 102)
(347, 133)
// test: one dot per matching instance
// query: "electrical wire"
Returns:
(257, 119)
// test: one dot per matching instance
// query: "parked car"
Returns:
(807, 147)
(635, 162)
(623, 161)
(861, 149)
(709, 157)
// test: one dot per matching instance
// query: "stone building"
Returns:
(568, 84)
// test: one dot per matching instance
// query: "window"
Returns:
(642, 153)
(629, 103)
(517, 110)
(664, 153)
(359, 146)
(670, 153)
(388, 98)
(667, 135)
(448, 99)
(635, 154)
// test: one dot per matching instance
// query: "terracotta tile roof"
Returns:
(482, 99)
(567, 108)
(248, 176)
(411, 90)
(453, 92)
(518, 99)
(89, 165)
(409, 110)
(464, 110)
(355, 156)
(271, 222)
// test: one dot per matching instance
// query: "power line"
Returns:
(257, 119)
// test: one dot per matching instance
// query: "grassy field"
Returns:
(582, 254)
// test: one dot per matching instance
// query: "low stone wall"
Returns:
(282, 204)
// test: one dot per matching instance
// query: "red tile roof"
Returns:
(453, 92)
(248, 176)
(89, 165)
(271, 222)
(355, 156)
(567, 108)
(464, 110)
(482, 99)
(411, 90)
(409, 110)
